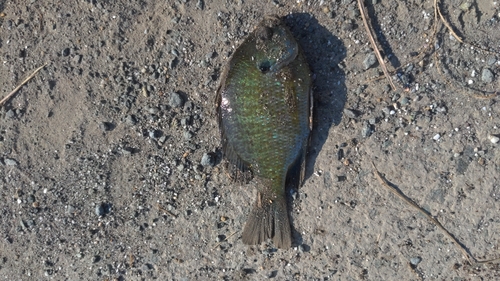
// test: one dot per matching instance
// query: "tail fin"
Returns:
(268, 219)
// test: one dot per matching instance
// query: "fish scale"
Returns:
(264, 110)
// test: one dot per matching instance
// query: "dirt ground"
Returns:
(110, 162)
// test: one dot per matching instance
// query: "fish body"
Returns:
(264, 113)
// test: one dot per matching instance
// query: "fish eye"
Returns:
(265, 33)
(264, 66)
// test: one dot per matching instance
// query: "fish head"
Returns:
(276, 46)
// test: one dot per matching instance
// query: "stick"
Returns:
(4, 100)
(401, 195)
(218, 244)
(374, 45)
(436, 8)
(166, 211)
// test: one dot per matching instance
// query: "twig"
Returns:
(4, 100)
(486, 96)
(166, 211)
(218, 244)
(374, 45)
(436, 8)
(401, 195)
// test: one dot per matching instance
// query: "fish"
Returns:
(264, 110)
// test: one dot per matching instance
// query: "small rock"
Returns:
(99, 210)
(10, 114)
(370, 60)
(491, 60)
(207, 159)
(415, 261)
(493, 138)
(404, 101)
(220, 238)
(130, 120)
(465, 6)
(487, 75)
(175, 100)
(10, 162)
(153, 110)
(154, 134)
(366, 131)
(200, 5)
(106, 126)
(66, 52)
(188, 135)
(350, 113)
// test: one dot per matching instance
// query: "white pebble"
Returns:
(436, 137)
(493, 139)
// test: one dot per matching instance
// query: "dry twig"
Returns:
(166, 211)
(4, 100)
(374, 45)
(465, 252)
(437, 11)
(218, 244)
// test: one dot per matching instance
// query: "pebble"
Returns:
(386, 110)
(350, 113)
(99, 210)
(10, 162)
(10, 114)
(154, 134)
(370, 60)
(207, 160)
(175, 100)
(200, 5)
(153, 110)
(492, 138)
(188, 135)
(404, 101)
(66, 52)
(491, 60)
(130, 120)
(106, 126)
(436, 137)
(366, 131)
(415, 261)
(487, 75)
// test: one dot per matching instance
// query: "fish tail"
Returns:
(268, 219)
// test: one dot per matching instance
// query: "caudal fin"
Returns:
(268, 219)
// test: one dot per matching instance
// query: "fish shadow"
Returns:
(324, 52)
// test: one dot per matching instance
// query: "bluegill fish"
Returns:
(264, 112)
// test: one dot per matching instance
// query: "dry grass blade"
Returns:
(436, 8)
(374, 44)
(473, 261)
(486, 96)
(4, 100)
(218, 244)
(166, 211)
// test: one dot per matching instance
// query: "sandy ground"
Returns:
(101, 174)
